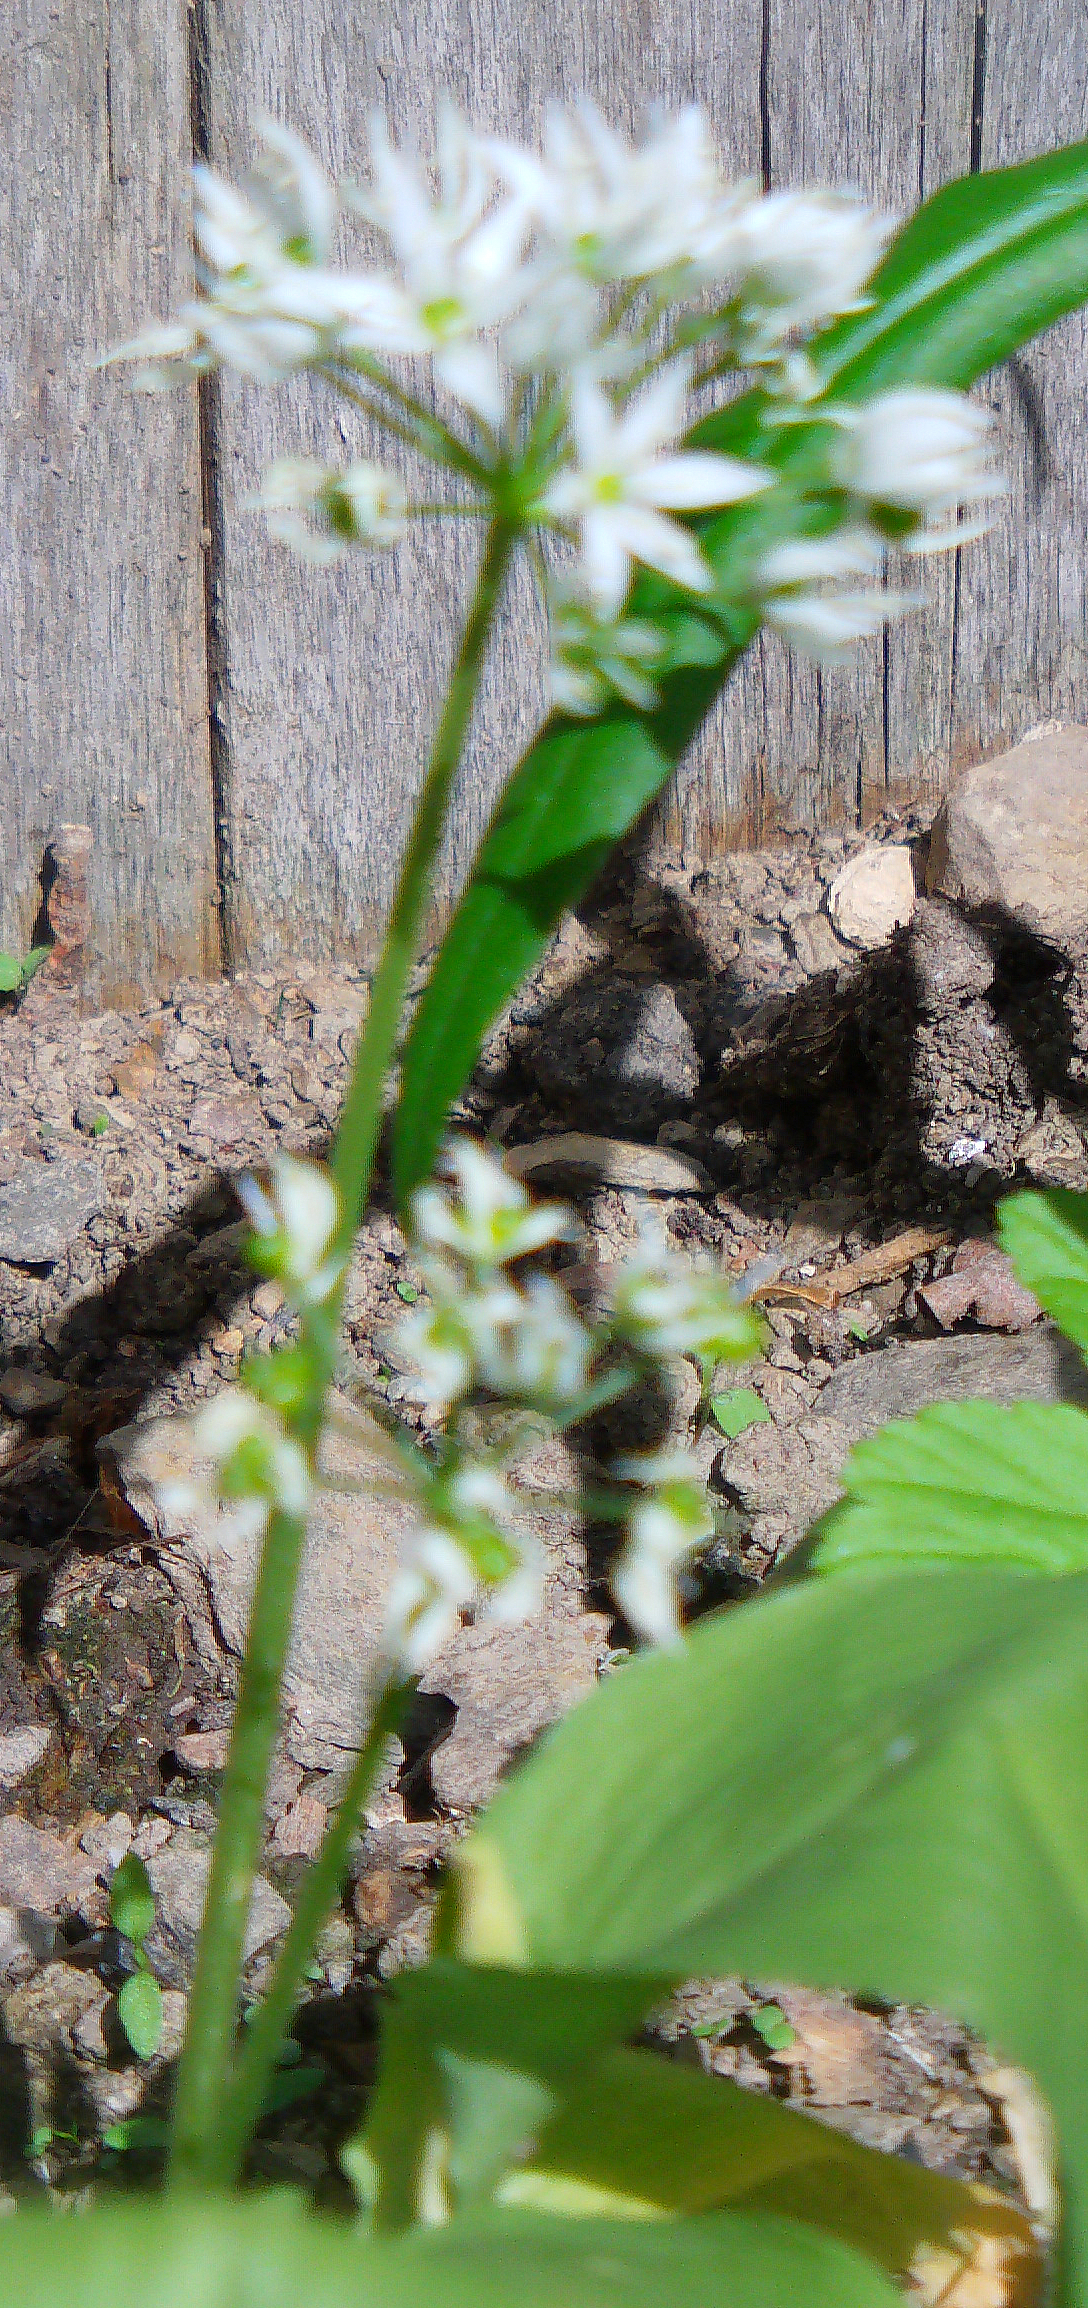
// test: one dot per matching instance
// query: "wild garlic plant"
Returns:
(535, 347)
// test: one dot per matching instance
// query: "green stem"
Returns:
(206, 2061)
(239, 2116)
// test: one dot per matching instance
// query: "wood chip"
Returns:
(874, 1266)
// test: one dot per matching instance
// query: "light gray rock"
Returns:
(31, 1393)
(1038, 1366)
(1014, 833)
(508, 1684)
(38, 1870)
(816, 945)
(572, 1157)
(873, 894)
(178, 1876)
(20, 1750)
(660, 1048)
(44, 1207)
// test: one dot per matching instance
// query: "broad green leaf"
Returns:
(966, 1482)
(132, 1901)
(1046, 1236)
(737, 1409)
(985, 264)
(673, 2139)
(878, 1781)
(11, 974)
(478, 2055)
(267, 2253)
(139, 2009)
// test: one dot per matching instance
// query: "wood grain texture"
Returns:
(101, 597)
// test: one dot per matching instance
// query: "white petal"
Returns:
(605, 559)
(684, 483)
(657, 416)
(664, 545)
(471, 371)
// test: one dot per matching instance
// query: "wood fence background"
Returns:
(242, 733)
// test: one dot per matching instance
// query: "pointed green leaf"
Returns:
(168, 2254)
(132, 1901)
(966, 1482)
(1046, 1236)
(876, 1781)
(642, 2126)
(737, 1409)
(139, 2009)
(479, 2054)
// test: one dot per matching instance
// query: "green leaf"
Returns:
(132, 1901)
(578, 791)
(985, 264)
(11, 974)
(478, 2055)
(267, 2253)
(737, 1409)
(135, 2133)
(909, 1818)
(34, 961)
(1046, 1236)
(139, 2009)
(966, 1482)
(642, 2127)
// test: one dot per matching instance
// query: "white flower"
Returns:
(300, 200)
(487, 1219)
(459, 257)
(594, 659)
(452, 1341)
(295, 1227)
(427, 1595)
(458, 1547)
(805, 256)
(608, 211)
(803, 600)
(663, 1305)
(665, 1526)
(323, 513)
(541, 1355)
(255, 1467)
(925, 451)
(622, 486)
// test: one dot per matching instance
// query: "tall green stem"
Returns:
(207, 2060)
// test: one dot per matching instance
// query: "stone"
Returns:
(660, 1048)
(1052, 1149)
(134, 1075)
(178, 1876)
(299, 1829)
(38, 1870)
(202, 1750)
(982, 1281)
(508, 1683)
(816, 946)
(573, 1158)
(351, 1553)
(952, 959)
(107, 1840)
(226, 1121)
(25, 1940)
(1039, 1366)
(1013, 833)
(20, 1749)
(31, 1393)
(873, 894)
(45, 1207)
(43, 2016)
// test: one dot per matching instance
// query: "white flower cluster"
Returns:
(572, 303)
(296, 1222)
(526, 1344)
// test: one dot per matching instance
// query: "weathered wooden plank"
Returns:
(334, 679)
(1021, 630)
(101, 584)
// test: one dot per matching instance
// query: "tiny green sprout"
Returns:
(770, 2022)
(737, 1409)
(407, 1291)
(858, 1328)
(132, 1911)
(100, 1125)
(136, 2132)
(15, 975)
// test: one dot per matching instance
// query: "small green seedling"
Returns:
(770, 2022)
(407, 1291)
(15, 975)
(132, 1911)
(737, 1409)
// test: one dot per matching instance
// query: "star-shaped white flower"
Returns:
(625, 484)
